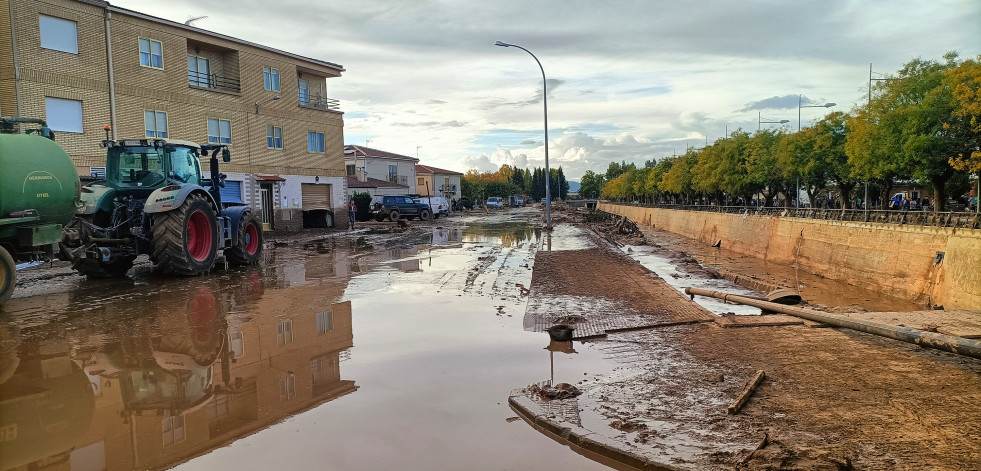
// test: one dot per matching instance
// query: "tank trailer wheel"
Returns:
(394, 215)
(248, 247)
(185, 240)
(8, 275)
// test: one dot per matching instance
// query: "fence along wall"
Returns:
(895, 260)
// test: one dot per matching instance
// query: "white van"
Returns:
(438, 205)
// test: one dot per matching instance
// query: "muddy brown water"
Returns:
(359, 351)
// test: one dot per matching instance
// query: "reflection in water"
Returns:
(149, 382)
(507, 234)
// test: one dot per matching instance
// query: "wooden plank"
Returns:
(747, 392)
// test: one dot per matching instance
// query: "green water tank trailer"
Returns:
(39, 194)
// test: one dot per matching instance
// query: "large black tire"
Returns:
(94, 268)
(394, 215)
(425, 215)
(8, 275)
(185, 240)
(248, 248)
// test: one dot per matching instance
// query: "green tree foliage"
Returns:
(964, 82)
(363, 203)
(591, 184)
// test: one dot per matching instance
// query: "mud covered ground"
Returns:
(832, 398)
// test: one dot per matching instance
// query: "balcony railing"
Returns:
(960, 220)
(213, 81)
(317, 101)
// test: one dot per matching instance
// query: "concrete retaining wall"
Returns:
(894, 260)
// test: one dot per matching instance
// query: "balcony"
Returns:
(316, 101)
(214, 82)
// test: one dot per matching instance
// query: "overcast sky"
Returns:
(627, 80)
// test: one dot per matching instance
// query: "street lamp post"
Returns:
(760, 122)
(800, 104)
(548, 175)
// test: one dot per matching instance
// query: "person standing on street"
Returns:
(352, 212)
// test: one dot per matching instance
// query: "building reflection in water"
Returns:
(153, 390)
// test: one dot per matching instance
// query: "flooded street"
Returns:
(356, 351)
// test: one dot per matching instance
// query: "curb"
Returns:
(596, 447)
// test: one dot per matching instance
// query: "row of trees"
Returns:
(509, 180)
(922, 126)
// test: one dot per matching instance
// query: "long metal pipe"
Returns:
(950, 343)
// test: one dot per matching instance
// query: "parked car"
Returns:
(516, 200)
(437, 204)
(495, 202)
(400, 206)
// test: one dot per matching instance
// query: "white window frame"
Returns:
(315, 142)
(287, 387)
(271, 133)
(157, 114)
(173, 432)
(63, 115)
(303, 92)
(58, 34)
(393, 173)
(220, 137)
(284, 332)
(236, 343)
(325, 322)
(270, 79)
(197, 80)
(149, 53)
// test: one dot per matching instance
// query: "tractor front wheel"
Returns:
(8, 275)
(185, 240)
(248, 246)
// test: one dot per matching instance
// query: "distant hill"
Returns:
(573, 186)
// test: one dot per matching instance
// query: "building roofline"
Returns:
(134, 13)
(366, 152)
(435, 170)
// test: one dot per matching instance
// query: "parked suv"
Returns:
(395, 207)
(495, 202)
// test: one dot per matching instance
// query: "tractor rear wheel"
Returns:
(94, 268)
(8, 275)
(248, 246)
(185, 240)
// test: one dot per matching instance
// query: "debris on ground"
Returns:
(559, 391)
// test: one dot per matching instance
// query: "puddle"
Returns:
(680, 280)
(385, 351)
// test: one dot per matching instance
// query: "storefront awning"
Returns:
(270, 178)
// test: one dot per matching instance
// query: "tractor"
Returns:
(156, 201)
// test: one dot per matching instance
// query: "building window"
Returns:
(235, 343)
(303, 92)
(270, 78)
(274, 137)
(393, 173)
(58, 34)
(198, 71)
(446, 183)
(63, 115)
(219, 406)
(151, 53)
(325, 322)
(155, 123)
(173, 429)
(315, 141)
(420, 181)
(219, 131)
(351, 171)
(284, 332)
(287, 386)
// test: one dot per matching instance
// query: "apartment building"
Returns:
(438, 182)
(365, 163)
(86, 64)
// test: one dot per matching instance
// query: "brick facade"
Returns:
(236, 66)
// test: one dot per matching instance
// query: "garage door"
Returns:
(232, 193)
(315, 196)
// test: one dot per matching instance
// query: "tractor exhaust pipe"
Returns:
(949, 343)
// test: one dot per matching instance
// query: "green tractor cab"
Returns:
(156, 200)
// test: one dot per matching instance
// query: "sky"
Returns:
(626, 80)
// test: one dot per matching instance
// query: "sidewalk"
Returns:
(832, 398)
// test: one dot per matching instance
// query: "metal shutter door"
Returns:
(232, 193)
(315, 196)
